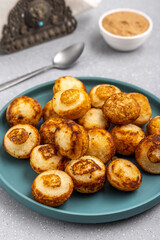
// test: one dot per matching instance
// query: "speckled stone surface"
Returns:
(140, 67)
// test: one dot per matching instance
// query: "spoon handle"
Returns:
(15, 81)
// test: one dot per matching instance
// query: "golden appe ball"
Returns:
(101, 144)
(52, 188)
(71, 139)
(123, 175)
(88, 174)
(145, 108)
(94, 118)
(48, 111)
(99, 93)
(71, 103)
(121, 108)
(44, 157)
(24, 110)
(47, 130)
(147, 154)
(126, 138)
(153, 127)
(67, 82)
(20, 139)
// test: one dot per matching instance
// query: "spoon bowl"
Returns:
(68, 56)
(62, 60)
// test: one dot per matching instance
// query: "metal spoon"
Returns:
(62, 60)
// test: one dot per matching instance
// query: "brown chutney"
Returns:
(125, 23)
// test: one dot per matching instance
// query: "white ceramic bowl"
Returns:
(127, 43)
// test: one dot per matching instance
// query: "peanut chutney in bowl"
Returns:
(125, 29)
(125, 23)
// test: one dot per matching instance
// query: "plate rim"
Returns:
(152, 201)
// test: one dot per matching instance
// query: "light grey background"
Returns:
(140, 67)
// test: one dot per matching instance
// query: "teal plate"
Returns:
(107, 205)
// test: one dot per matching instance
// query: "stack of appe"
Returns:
(75, 148)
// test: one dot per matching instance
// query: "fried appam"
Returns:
(153, 127)
(121, 108)
(47, 130)
(24, 109)
(94, 118)
(147, 154)
(123, 175)
(88, 174)
(99, 93)
(71, 103)
(52, 187)
(20, 139)
(71, 139)
(67, 82)
(44, 157)
(101, 144)
(145, 109)
(126, 138)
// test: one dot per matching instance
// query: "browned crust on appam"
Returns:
(146, 143)
(37, 142)
(18, 118)
(145, 108)
(51, 152)
(122, 182)
(85, 141)
(46, 133)
(87, 186)
(79, 140)
(121, 108)
(90, 187)
(153, 127)
(126, 141)
(57, 84)
(102, 92)
(60, 167)
(77, 111)
(53, 201)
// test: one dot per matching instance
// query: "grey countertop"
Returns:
(140, 67)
